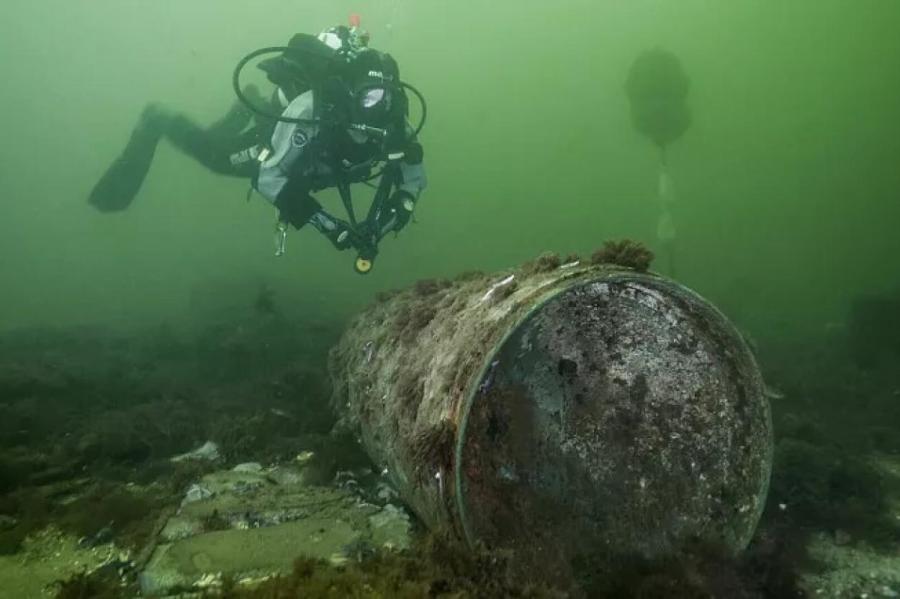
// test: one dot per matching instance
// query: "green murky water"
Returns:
(786, 211)
(787, 180)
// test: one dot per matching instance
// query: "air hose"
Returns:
(236, 85)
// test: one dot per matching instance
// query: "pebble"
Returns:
(209, 451)
(196, 493)
(386, 492)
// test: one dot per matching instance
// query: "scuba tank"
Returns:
(356, 90)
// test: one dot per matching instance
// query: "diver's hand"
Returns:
(397, 212)
(362, 238)
(343, 236)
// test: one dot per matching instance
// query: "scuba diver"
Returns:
(338, 116)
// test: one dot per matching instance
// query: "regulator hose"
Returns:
(422, 103)
(236, 85)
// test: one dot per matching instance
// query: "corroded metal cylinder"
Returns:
(569, 413)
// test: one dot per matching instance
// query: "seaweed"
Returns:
(413, 317)
(410, 389)
(83, 585)
(30, 511)
(433, 447)
(627, 253)
(214, 521)
(546, 262)
(504, 291)
(80, 414)
(430, 286)
(819, 485)
(128, 516)
(469, 275)
(769, 569)
(385, 296)
(438, 566)
(340, 451)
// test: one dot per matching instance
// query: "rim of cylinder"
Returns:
(589, 278)
(612, 276)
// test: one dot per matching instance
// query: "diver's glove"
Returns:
(397, 212)
(338, 232)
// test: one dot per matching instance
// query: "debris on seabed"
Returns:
(497, 286)
(209, 452)
(304, 457)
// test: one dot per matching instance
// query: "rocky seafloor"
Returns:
(161, 463)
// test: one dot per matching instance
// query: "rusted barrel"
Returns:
(568, 412)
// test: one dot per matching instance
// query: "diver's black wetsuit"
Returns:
(215, 146)
(285, 162)
(211, 146)
(302, 141)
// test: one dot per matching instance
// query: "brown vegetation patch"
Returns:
(412, 318)
(437, 567)
(469, 275)
(546, 262)
(433, 448)
(410, 388)
(503, 292)
(628, 253)
(384, 296)
(430, 286)
(103, 584)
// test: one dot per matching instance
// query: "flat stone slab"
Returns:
(244, 553)
(251, 523)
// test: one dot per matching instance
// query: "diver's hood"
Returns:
(359, 85)
(306, 58)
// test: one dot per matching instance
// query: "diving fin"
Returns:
(121, 182)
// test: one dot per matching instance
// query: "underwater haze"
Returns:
(787, 180)
(167, 381)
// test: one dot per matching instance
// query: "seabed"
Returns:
(262, 501)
